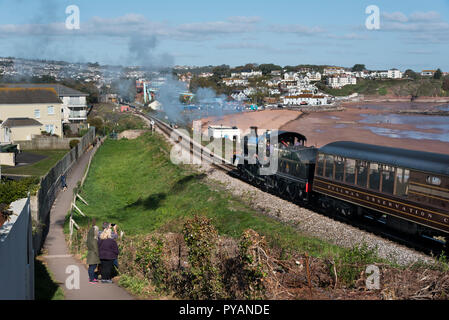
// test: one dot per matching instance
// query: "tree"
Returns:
(358, 67)
(222, 71)
(267, 68)
(445, 85)
(437, 74)
(409, 73)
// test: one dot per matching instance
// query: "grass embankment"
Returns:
(172, 218)
(133, 183)
(403, 87)
(39, 168)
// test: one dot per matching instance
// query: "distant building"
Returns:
(244, 74)
(338, 82)
(428, 73)
(235, 82)
(305, 99)
(329, 71)
(394, 74)
(219, 132)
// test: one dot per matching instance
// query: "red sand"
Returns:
(309, 125)
(354, 131)
(267, 119)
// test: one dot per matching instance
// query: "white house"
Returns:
(338, 82)
(219, 132)
(334, 71)
(394, 74)
(313, 76)
(428, 73)
(235, 82)
(245, 74)
(303, 99)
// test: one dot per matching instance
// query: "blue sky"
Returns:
(413, 34)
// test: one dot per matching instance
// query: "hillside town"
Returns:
(53, 106)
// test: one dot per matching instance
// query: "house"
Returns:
(18, 106)
(330, 71)
(428, 73)
(219, 132)
(303, 99)
(19, 129)
(313, 76)
(74, 102)
(338, 82)
(394, 74)
(235, 82)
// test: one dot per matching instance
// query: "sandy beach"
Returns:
(375, 123)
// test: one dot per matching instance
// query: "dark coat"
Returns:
(93, 256)
(108, 249)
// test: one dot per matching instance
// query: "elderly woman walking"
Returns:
(108, 250)
(93, 257)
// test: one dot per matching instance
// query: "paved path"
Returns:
(58, 257)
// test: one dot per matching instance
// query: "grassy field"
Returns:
(39, 168)
(133, 183)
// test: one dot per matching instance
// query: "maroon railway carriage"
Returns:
(407, 189)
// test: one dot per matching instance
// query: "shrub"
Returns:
(251, 247)
(351, 263)
(149, 257)
(11, 191)
(73, 143)
(201, 280)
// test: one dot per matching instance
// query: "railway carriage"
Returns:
(407, 189)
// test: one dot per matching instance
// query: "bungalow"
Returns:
(19, 129)
(428, 73)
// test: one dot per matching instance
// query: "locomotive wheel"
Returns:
(291, 191)
(282, 188)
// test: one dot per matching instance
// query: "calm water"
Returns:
(409, 134)
(439, 123)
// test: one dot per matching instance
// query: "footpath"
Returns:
(59, 259)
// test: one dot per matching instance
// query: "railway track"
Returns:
(430, 247)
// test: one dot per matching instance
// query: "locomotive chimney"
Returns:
(253, 131)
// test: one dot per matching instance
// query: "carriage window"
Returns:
(329, 170)
(374, 176)
(362, 173)
(339, 168)
(320, 165)
(402, 176)
(433, 180)
(350, 171)
(387, 179)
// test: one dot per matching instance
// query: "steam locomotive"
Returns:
(406, 190)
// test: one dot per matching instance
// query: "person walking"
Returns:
(108, 251)
(93, 256)
(63, 183)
